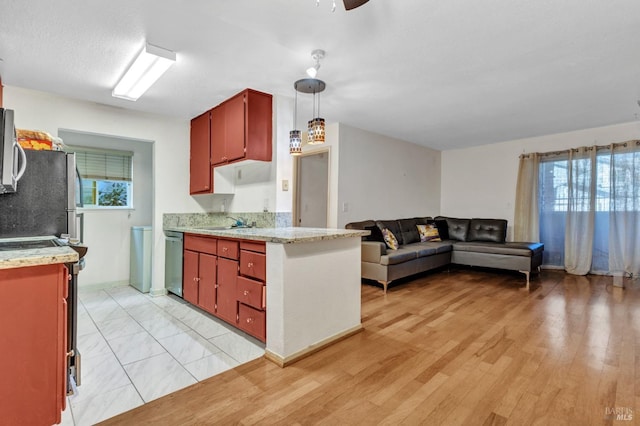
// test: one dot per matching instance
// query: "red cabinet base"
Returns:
(33, 342)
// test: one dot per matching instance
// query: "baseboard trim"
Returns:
(316, 347)
(155, 292)
(100, 286)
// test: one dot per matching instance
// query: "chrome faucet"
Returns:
(240, 221)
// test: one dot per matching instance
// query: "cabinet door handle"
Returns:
(250, 265)
(246, 292)
(249, 320)
(225, 248)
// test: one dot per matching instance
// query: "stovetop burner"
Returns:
(27, 245)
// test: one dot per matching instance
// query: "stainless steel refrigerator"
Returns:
(45, 201)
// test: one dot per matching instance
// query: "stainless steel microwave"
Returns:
(12, 158)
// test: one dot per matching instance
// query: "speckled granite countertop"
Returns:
(37, 256)
(275, 235)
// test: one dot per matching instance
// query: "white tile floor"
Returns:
(136, 348)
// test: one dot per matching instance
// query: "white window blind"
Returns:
(101, 164)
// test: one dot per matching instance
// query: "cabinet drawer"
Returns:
(200, 244)
(228, 249)
(257, 246)
(252, 321)
(250, 292)
(253, 264)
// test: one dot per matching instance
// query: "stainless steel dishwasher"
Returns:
(173, 262)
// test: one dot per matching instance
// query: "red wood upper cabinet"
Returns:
(200, 159)
(218, 131)
(241, 128)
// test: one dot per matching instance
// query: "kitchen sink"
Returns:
(222, 228)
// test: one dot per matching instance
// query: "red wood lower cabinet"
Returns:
(226, 277)
(199, 280)
(33, 342)
(207, 283)
(253, 321)
(227, 305)
(190, 276)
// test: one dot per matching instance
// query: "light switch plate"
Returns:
(285, 185)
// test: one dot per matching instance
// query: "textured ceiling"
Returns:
(440, 73)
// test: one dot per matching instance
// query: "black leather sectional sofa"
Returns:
(474, 242)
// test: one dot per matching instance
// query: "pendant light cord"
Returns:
(295, 110)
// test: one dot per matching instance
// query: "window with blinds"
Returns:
(107, 176)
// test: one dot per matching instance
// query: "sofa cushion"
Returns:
(409, 231)
(511, 248)
(423, 220)
(376, 234)
(367, 225)
(490, 230)
(439, 246)
(425, 250)
(393, 226)
(390, 240)
(403, 254)
(360, 225)
(443, 228)
(428, 232)
(458, 228)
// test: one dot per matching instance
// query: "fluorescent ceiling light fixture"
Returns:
(150, 64)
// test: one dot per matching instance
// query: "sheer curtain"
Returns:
(624, 209)
(584, 205)
(580, 217)
(526, 219)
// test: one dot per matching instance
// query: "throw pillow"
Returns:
(390, 239)
(428, 233)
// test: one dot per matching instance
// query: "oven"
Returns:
(73, 354)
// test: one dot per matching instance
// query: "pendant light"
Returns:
(295, 139)
(315, 126)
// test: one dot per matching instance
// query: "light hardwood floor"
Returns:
(460, 347)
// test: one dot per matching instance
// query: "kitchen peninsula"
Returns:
(312, 284)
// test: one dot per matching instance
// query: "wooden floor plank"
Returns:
(466, 346)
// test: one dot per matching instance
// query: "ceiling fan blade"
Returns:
(352, 4)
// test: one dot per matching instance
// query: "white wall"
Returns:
(481, 181)
(111, 227)
(385, 178)
(49, 112)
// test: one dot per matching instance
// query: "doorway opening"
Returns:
(311, 197)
